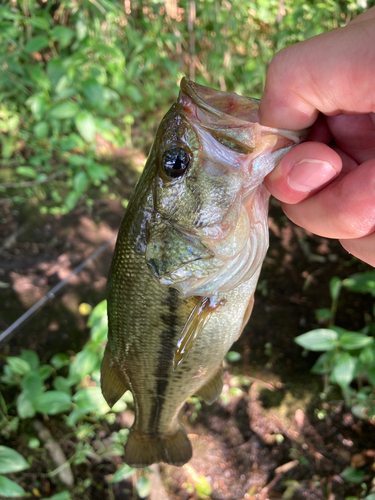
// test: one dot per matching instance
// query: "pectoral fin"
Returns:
(113, 386)
(212, 389)
(194, 325)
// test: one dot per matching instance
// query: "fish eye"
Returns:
(175, 162)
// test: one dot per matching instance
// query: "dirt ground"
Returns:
(270, 435)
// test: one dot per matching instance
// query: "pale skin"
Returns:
(327, 184)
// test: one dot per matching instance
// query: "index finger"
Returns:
(332, 73)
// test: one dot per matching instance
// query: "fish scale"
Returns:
(195, 227)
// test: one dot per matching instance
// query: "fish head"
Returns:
(208, 230)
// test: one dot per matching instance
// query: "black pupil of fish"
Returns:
(175, 162)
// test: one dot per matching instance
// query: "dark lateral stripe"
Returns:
(168, 339)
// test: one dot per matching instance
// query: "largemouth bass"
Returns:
(186, 263)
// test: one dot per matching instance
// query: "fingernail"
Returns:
(307, 175)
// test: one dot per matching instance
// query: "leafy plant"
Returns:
(348, 356)
(68, 388)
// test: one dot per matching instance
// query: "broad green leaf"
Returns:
(343, 369)
(80, 182)
(60, 360)
(64, 495)
(55, 70)
(89, 399)
(367, 355)
(85, 124)
(31, 357)
(11, 461)
(45, 371)
(27, 172)
(25, 408)
(41, 130)
(361, 282)
(353, 475)
(84, 364)
(38, 103)
(52, 402)
(62, 384)
(77, 160)
(323, 364)
(233, 356)
(353, 340)
(36, 44)
(335, 287)
(143, 486)
(32, 384)
(18, 365)
(122, 473)
(39, 22)
(65, 109)
(63, 35)
(72, 199)
(370, 497)
(94, 92)
(97, 314)
(96, 171)
(10, 489)
(323, 314)
(321, 339)
(371, 375)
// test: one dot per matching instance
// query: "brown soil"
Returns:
(263, 439)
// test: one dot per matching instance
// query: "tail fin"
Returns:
(142, 450)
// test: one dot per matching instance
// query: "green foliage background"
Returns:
(73, 70)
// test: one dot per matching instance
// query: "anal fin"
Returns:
(211, 390)
(113, 385)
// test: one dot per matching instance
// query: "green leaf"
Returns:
(60, 360)
(72, 199)
(361, 282)
(323, 314)
(11, 461)
(63, 35)
(64, 495)
(31, 357)
(52, 402)
(96, 171)
(321, 339)
(45, 371)
(62, 384)
(32, 384)
(323, 364)
(36, 44)
(370, 497)
(94, 92)
(89, 399)
(122, 473)
(39, 22)
(143, 486)
(80, 182)
(335, 287)
(25, 408)
(84, 364)
(353, 340)
(343, 370)
(85, 124)
(65, 109)
(38, 104)
(10, 489)
(233, 356)
(18, 365)
(353, 475)
(367, 355)
(27, 172)
(371, 375)
(41, 130)
(97, 314)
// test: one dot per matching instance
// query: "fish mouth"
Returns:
(235, 108)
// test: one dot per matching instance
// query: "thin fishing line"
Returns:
(51, 294)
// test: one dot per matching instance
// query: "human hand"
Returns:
(327, 184)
